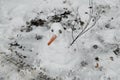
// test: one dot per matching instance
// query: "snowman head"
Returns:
(56, 31)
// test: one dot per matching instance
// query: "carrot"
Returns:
(52, 39)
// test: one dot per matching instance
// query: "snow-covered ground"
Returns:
(36, 37)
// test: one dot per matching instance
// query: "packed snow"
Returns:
(37, 39)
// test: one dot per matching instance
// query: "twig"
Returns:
(90, 17)
(89, 20)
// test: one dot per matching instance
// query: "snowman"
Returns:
(54, 52)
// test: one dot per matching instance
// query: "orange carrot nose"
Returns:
(52, 39)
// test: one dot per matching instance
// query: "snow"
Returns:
(26, 28)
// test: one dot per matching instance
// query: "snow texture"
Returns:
(35, 38)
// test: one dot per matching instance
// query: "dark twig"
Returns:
(86, 28)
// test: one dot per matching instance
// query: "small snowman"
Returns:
(54, 54)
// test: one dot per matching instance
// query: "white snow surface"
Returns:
(91, 57)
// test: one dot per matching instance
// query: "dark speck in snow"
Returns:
(107, 25)
(84, 63)
(75, 49)
(56, 18)
(30, 50)
(90, 7)
(38, 37)
(82, 23)
(18, 70)
(111, 58)
(97, 58)
(112, 18)
(14, 44)
(20, 47)
(117, 51)
(95, 46)
(15, 51)
(25, 56)
(37, 22)
(29, 28)
(86, 12)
